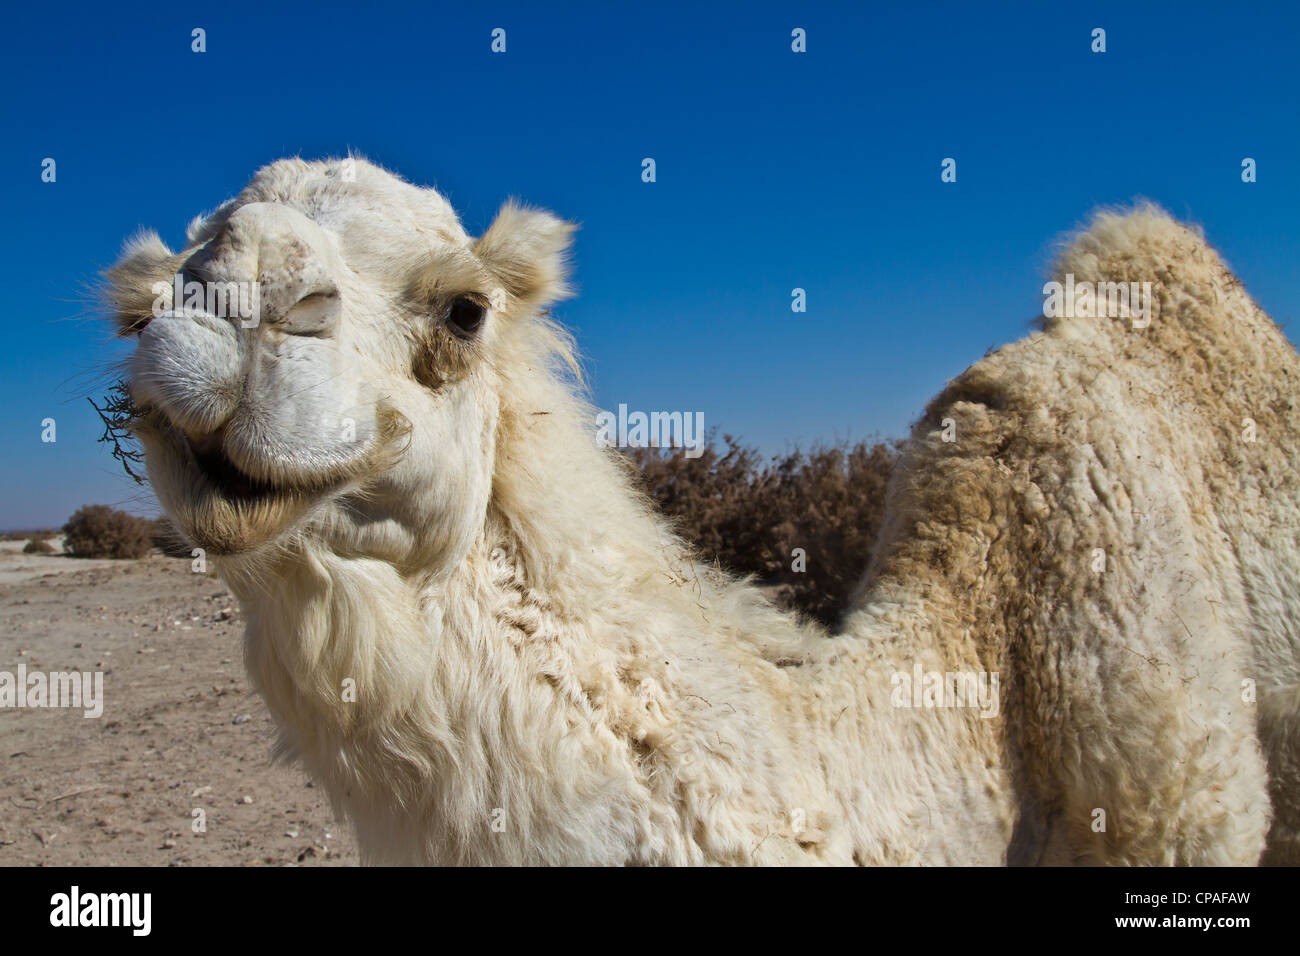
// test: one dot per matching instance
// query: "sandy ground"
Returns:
(181, 730)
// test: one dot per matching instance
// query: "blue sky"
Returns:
(775, 170)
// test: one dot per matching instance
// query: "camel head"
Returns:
(324, 360)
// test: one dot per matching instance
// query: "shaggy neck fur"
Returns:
(510, 724)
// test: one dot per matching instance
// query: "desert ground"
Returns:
(181, 730)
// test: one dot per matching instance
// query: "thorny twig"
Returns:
(117, 414)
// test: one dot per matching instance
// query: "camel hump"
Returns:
(1138, 271)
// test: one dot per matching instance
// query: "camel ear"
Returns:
(528, 251)
(128, 292)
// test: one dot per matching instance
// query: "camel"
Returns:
(1077, 640)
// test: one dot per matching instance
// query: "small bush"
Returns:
(98, 531)
(28, 534)
(750, 515)
(38, 546)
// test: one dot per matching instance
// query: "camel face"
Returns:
(319, 361)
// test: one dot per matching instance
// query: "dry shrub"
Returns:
(38, 546)
(28, 534)
(98, 531)
(750, 515)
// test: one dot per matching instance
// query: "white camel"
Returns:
(1078, 639)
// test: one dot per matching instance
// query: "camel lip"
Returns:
(209, 456)
(221, 507)
(224, 478)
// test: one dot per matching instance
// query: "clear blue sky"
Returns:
(775, 170)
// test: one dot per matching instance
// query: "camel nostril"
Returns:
(316, 313)
(317, 298)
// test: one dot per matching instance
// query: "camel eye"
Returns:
(466, 315)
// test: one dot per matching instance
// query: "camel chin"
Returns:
(216, 506)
